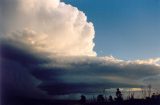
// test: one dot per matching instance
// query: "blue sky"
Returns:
(127, 29)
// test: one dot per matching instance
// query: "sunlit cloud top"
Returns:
(48, 25)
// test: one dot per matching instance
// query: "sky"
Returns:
(127, 29)
(52, 48)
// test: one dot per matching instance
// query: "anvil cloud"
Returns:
(47, 47)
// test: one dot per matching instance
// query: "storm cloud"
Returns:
(47, 49)
(59, 75)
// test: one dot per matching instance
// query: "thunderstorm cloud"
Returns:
(47, 49)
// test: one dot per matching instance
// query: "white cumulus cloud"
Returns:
(47, 25)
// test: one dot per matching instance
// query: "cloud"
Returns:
(65, 75)
(95, 73)
(48, 47)
(48, 25)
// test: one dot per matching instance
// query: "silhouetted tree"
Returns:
(153, 96)
(119, 95)
(100, 98)
(149, 90)
(110, 98)
(132, 96)
(83, 99)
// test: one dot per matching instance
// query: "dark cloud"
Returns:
(17, 64)
(83, 88)
(26, 69)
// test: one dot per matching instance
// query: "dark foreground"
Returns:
(27, 101)
(128, 102)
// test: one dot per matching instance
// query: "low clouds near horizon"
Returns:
(52, 43)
